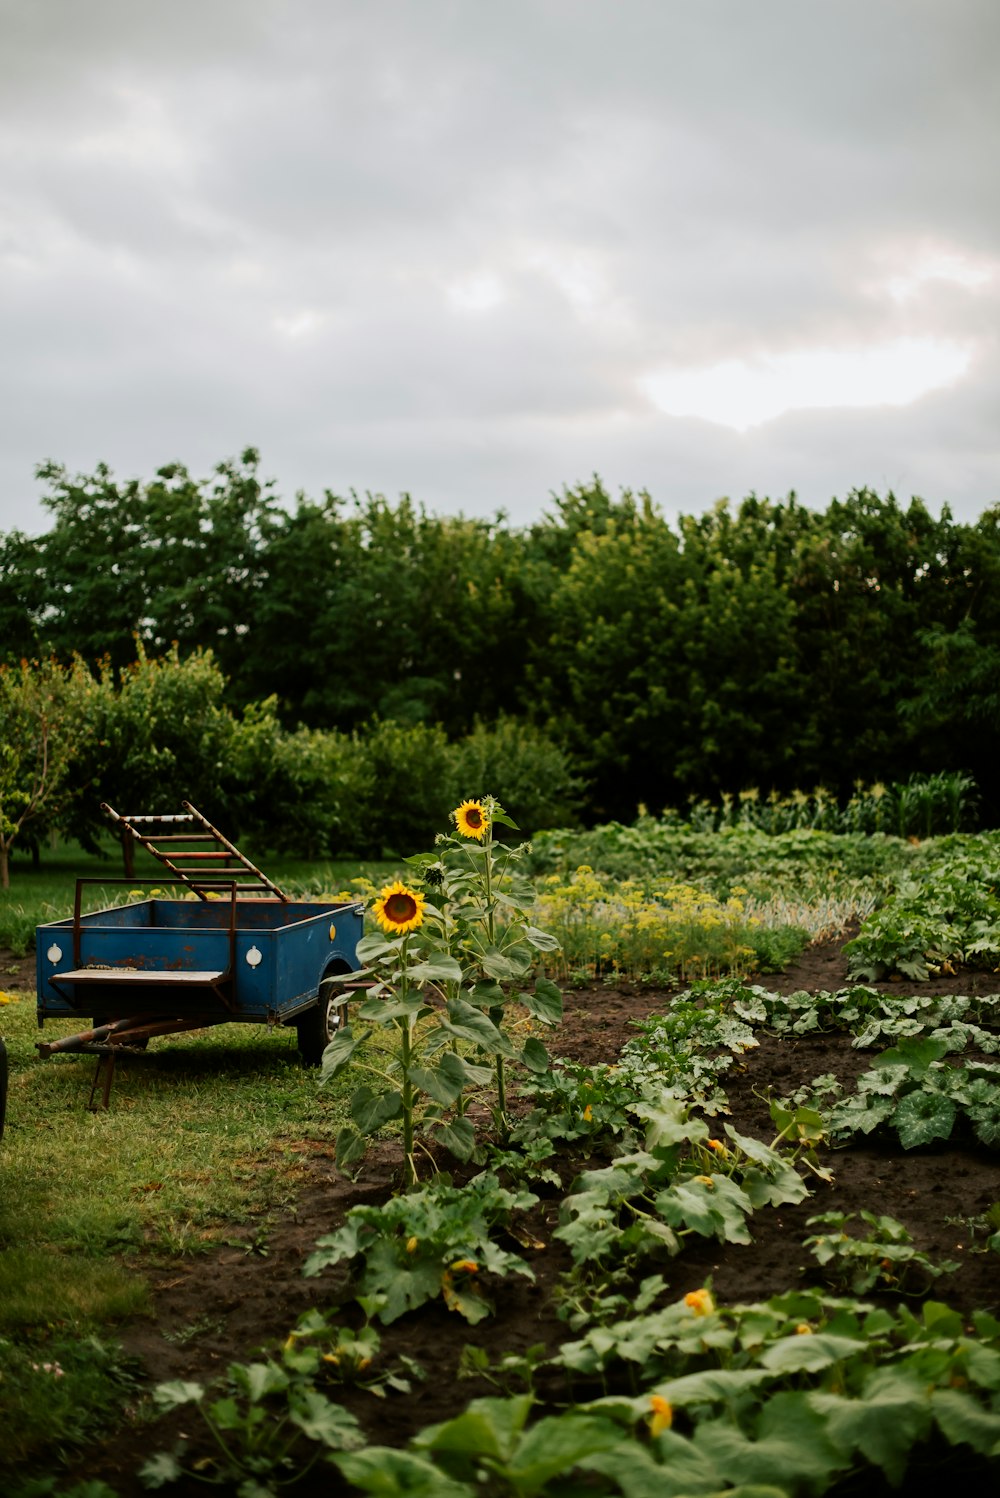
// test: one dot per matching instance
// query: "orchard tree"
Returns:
(157, 733)
(43, 709)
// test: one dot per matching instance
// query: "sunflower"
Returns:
(471, 820)
(399, 909)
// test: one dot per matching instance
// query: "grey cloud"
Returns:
(184, 187)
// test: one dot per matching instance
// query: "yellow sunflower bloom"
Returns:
(399, 909)
(471, 820)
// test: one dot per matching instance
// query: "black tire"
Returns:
(318, 1025)
(3, 1085)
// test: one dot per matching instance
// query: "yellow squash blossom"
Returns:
(700, 1302)
(662, 1415)
(471, 820)
(399, 909)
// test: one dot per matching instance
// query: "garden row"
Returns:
(606, 1182)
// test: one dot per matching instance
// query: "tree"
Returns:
(42, 710)
(372, 609)
(173, 560)
(156, 733)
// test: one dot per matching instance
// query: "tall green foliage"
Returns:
(153, 735)
(42, 709)
(758, 644)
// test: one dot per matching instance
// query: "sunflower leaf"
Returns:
(371, 948)
(458, 1136)
(350, 1147)
(371, 1110)
(534, 1056)
(444, 1082)
(509, 964)
(468, 1023)
(542, 941)
(499, 815)
(442, 969)
(546, 1003)
(339, 1052)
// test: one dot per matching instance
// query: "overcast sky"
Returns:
(477, 251)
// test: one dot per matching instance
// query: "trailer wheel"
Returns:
(317, 1027)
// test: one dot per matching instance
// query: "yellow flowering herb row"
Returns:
(627, 928)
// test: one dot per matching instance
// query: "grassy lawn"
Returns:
(202, 1145)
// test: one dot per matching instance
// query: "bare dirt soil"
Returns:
(229, 1307)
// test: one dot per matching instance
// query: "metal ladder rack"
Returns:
(179, 840)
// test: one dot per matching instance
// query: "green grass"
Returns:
(205, 1142)
(198, 1138)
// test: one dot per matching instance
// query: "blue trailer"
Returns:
(227, 947)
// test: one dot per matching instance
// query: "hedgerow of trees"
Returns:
(758, 644)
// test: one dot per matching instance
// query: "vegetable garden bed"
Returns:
(241, 1305)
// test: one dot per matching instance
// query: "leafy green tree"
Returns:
(41, 714)
(378, 610)
(868, 577)
(528, 770)
(173, 560)
(20, 586)
(673, 659)
(156, 733)
(307, 792)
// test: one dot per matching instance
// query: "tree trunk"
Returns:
(4, 867)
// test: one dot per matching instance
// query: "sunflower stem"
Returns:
(496, 1015)
(501, 1113)
(407, 1088)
